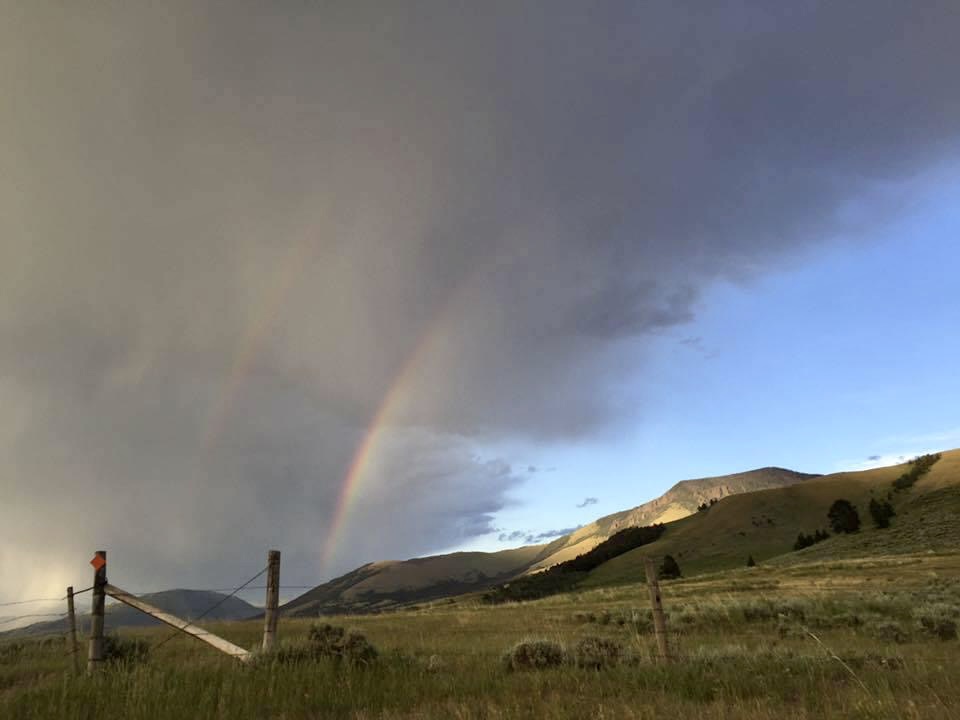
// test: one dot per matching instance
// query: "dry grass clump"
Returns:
(534, 655)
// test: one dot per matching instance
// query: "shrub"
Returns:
(940, 627)
(534, 655)
(330, 642)
(357, 650)
(754, 611)
(326, 640)
(669, 568)
(938, 620)
(596, 653)
(10, 652)
(843, 517)
(890, 631)
(881, 512)
(750, 561)
(120, 650)
(786, 628)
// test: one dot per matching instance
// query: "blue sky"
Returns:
(849, 353)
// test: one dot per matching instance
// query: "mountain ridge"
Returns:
(184, 603)
(389, 584)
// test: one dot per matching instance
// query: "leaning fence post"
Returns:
(273, 600)
(72, 637)
(95, 651)
(659, 621)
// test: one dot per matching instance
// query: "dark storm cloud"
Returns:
(225, 229)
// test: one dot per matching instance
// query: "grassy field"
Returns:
(851, 638)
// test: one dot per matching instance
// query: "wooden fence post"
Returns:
(72, 637)
(273, 600)
(659, 621)
(95, 651)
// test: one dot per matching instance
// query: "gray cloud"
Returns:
(588, 501)
(533, 538)
(226, 232)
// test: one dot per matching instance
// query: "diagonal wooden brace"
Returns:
(224, 646)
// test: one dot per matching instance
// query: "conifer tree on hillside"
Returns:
(669, 568)
(881, 512)
(843, 517)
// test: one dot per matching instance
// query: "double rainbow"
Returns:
(289, 270)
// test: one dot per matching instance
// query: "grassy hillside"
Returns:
(743, 641)
(765, 524)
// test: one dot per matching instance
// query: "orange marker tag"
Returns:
(98, 561)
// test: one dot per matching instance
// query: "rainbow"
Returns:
(289, 270)
(396, 393)
(366, 450)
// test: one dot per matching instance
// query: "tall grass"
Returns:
(740, 640)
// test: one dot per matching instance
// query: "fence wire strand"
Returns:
(32, 600)
(210, 609)
(47, 599)
(6, 620)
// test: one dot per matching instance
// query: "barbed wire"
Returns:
(62, 598)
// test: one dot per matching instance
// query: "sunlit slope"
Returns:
(944, 473)
(678, 502)
(765, 524)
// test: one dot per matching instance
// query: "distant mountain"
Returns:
(186, 604)
(386, 585)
